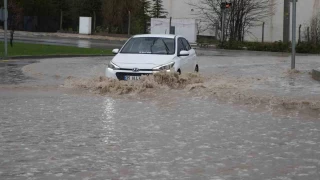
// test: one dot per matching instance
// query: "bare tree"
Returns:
(203, 26)
(315, 29)
(240, 17)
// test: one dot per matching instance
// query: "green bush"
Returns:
(205, 39)
(236, 45)
(278, 46)
(100, 29)
(305, 47)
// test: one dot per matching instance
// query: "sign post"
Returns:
(224, 6)
(293, 51)
(5, 28)
(262, 39)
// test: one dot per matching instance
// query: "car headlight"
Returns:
(113, 66)
(164, 67)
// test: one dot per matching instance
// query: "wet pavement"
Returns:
(64, 41)
(48, 131)
(11, 73)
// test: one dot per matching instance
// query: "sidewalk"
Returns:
(64, 35)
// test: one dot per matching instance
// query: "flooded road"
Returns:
(11, 73)
(65, 41)
(57, 123)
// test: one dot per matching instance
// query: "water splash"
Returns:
(105, 85)
(218, 86)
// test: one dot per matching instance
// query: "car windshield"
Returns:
(149, 45)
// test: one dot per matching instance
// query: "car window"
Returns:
(149, 45)
(158, 47)
(186, 44)
(181, 46)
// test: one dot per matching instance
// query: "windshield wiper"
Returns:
(154, 41)
(167, 49)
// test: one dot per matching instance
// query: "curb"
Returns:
(316, 74)
(50, 57)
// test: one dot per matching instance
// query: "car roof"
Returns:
(171, 36)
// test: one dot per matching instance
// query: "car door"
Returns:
(192, 56)
(184, 60)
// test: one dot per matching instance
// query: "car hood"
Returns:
(141, 61)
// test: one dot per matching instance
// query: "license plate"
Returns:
(132, 78)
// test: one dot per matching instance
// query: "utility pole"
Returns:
(170, 25)
(263, 31)
(129, 24)
(286, 21)
(5, 28)
(94, 21)
(308, 34)
(299, 41)
(293, 56)
(61, 19)
(223, 7)
(223, 23)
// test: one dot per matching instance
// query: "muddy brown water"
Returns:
(243, 117)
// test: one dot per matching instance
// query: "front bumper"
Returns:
(120, 74)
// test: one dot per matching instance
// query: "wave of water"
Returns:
(228, 89)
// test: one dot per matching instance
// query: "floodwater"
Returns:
(245, 117)
(65, 41)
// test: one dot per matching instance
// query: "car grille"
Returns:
(121, 75)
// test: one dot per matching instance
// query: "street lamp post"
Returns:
(293, 51)
(5, 28)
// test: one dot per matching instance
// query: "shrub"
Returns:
(231, 45)
(305, 47)
(277, 46)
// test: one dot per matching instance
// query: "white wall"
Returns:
(180, 9)
(273, 26)
(184, 27)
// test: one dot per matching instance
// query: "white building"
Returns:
(184, 27)
(273, 24)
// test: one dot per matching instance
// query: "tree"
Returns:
(315, 29)
(112, 14)
(240, 17)
(116, 14)
(15, 18)
(158, 10)
(142, 16)
(60, 7)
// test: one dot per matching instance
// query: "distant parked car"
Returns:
(149, 54)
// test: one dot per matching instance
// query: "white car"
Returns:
(149, 54)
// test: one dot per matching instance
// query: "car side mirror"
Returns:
(184, 53)
(115, 51)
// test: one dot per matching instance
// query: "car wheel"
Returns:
(196, 68)
(179, 71)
